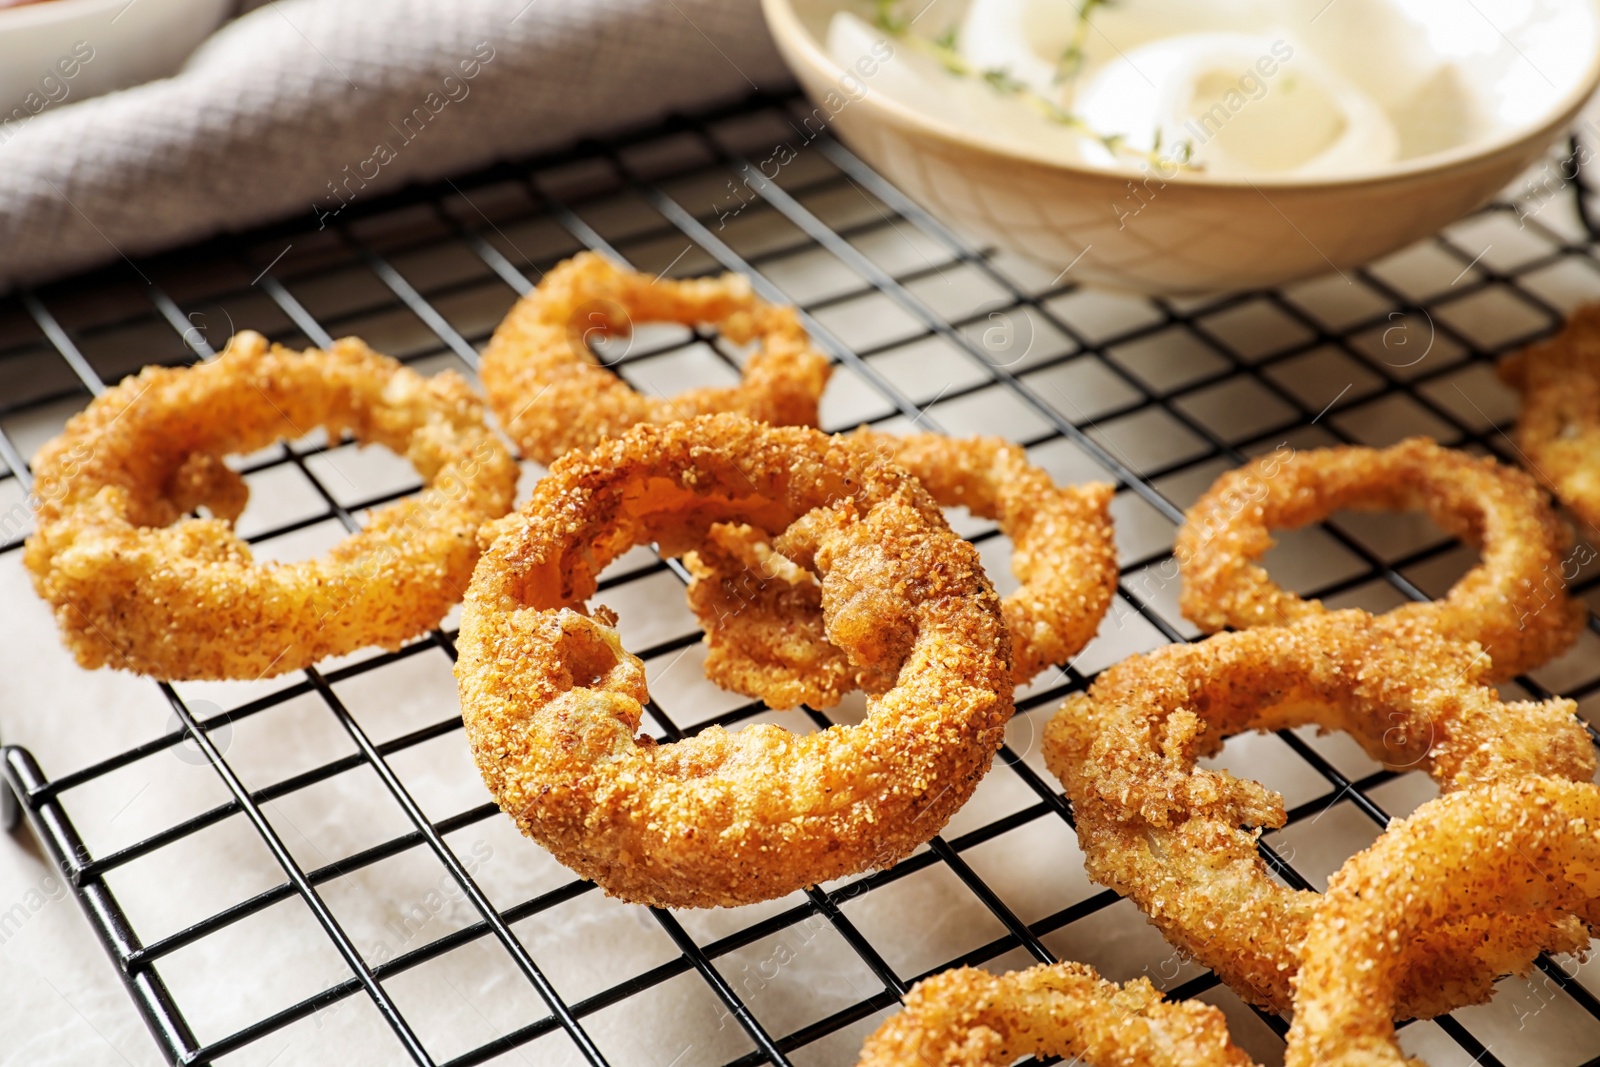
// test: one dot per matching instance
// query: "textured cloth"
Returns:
(303, 104)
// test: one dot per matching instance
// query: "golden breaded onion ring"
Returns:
(1558, 428)
(762, 619)
(136, 585)
(551, 397)
(1514, 603)
(1175, 837)
(552, 702)
(971, 1018)
(762, 614)
(1522, 848)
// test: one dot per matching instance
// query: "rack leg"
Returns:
(10, 807)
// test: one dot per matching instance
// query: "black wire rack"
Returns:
(1157, 395)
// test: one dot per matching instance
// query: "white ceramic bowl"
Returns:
(1204, 233)
(43, 47)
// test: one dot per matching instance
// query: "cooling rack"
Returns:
(441, 937)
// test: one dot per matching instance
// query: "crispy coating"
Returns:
(552, 702)
(762, 615)
(1524, 848)
(763, 623)
(1514, 603)
(1558, 429)
(970, 1018)
(1180, 840)
(136, 585)
(551, 397)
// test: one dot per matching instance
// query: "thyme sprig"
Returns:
(1072, 57)
(889, 18)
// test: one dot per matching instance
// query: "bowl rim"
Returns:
(792, 37)
(48, 12)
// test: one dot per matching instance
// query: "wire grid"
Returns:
(1157, 395)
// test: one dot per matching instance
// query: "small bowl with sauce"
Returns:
(1168, 146)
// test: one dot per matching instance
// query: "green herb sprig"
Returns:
(1073, 56)
(889, 18)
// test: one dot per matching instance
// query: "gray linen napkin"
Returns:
(302, 105)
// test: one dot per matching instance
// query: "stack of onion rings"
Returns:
(1558, 429)
(552, 702)
(1523, 848)
(136, 585)
(1514, 603)
(1167, 833)
(762, 617)
(551, 397)
(970, 1018)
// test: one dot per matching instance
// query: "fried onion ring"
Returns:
(1558, 428)
(1167, 833)
(551, 397)
(762, 616)
(1526, 848)
(552, 702)
(136, 585)
(1514, 603)
(970, 1018)
(763, 620)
